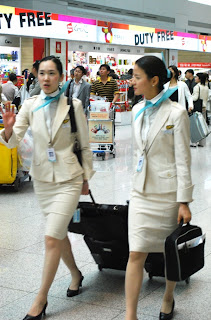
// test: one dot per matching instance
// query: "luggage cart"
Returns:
(9, 173)
(101, 132)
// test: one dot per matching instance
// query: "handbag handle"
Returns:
(182, 222)
(91, 196)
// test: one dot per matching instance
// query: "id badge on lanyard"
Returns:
(140, 164)
(51, 154)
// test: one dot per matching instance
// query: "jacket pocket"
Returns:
(167, 174)
(167, 180)
(70, 159)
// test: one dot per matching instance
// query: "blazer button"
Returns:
(169, 174)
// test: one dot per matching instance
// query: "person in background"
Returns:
(189, 75)
(207, 82)
(180, 75)
(201, 91)
(106, 86)
(182, 91)
(71, 74)
(30, 80)
(161, 185)
(58, 177)
(34, 88)
(134, 99)
(79, 88)
(113, 74)
(9, 89)
(128, 75)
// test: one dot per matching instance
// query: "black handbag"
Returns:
(76, 147)
(198, 104)
(102, 222)
(184, 252)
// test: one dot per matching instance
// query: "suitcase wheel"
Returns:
(187, 280)
(100, 267)
(150, 276)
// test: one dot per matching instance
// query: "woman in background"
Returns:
(183, 92)
(201, 91)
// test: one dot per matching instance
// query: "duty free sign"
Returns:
(24, 22)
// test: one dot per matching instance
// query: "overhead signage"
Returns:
(194, 65)
(23, 22)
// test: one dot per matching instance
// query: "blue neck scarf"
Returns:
(149, 104)
(50, 99)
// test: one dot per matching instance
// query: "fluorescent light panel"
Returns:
(207, 2)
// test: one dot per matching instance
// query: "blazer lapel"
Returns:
(61, 112)
(137, 130)
(160, 119)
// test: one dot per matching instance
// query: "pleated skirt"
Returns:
(58, 202)
(152, 217)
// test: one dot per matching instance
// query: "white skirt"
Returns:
(58, 202)
(152, 217)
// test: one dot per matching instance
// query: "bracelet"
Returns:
(85, 181)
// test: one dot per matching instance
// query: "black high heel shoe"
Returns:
(167, 316)
(39, 316)
(72, 293)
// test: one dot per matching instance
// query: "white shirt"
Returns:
(76, 88)
(50, 109)
(149, 116)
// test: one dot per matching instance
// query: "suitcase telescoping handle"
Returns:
(91, 196)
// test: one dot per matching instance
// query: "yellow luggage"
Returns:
(8, 164)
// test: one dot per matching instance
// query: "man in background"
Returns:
(189, 75)
(79, 88)
(106, 86)
(34, 88)
(9, 89)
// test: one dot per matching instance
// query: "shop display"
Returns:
(9, 61)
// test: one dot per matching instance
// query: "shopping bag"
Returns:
(25, 151)
(184, 252)
(198, 127)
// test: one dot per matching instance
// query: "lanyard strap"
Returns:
(50, 99)
(149, 104)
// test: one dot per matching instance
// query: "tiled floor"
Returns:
(22, 251)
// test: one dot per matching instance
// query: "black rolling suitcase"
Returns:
(111, 254)
(105, 230)
(104, 222)
(155, 265)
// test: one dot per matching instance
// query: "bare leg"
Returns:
(68, 258)
(53, 249)
(133, 282)
(168, 296)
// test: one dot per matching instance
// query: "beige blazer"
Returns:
(166, 166)
(66, 166)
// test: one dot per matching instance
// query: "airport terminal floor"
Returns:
(102, 297)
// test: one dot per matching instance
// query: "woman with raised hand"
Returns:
(58, 177)
(161, 187)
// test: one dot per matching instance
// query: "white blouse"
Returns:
(50, 109)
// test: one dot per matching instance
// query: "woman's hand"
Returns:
(8, 119)
(85, 188)
(184, 213)
(8, 115)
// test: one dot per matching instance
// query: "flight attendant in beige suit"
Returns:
(162, 186)
(58, 177)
